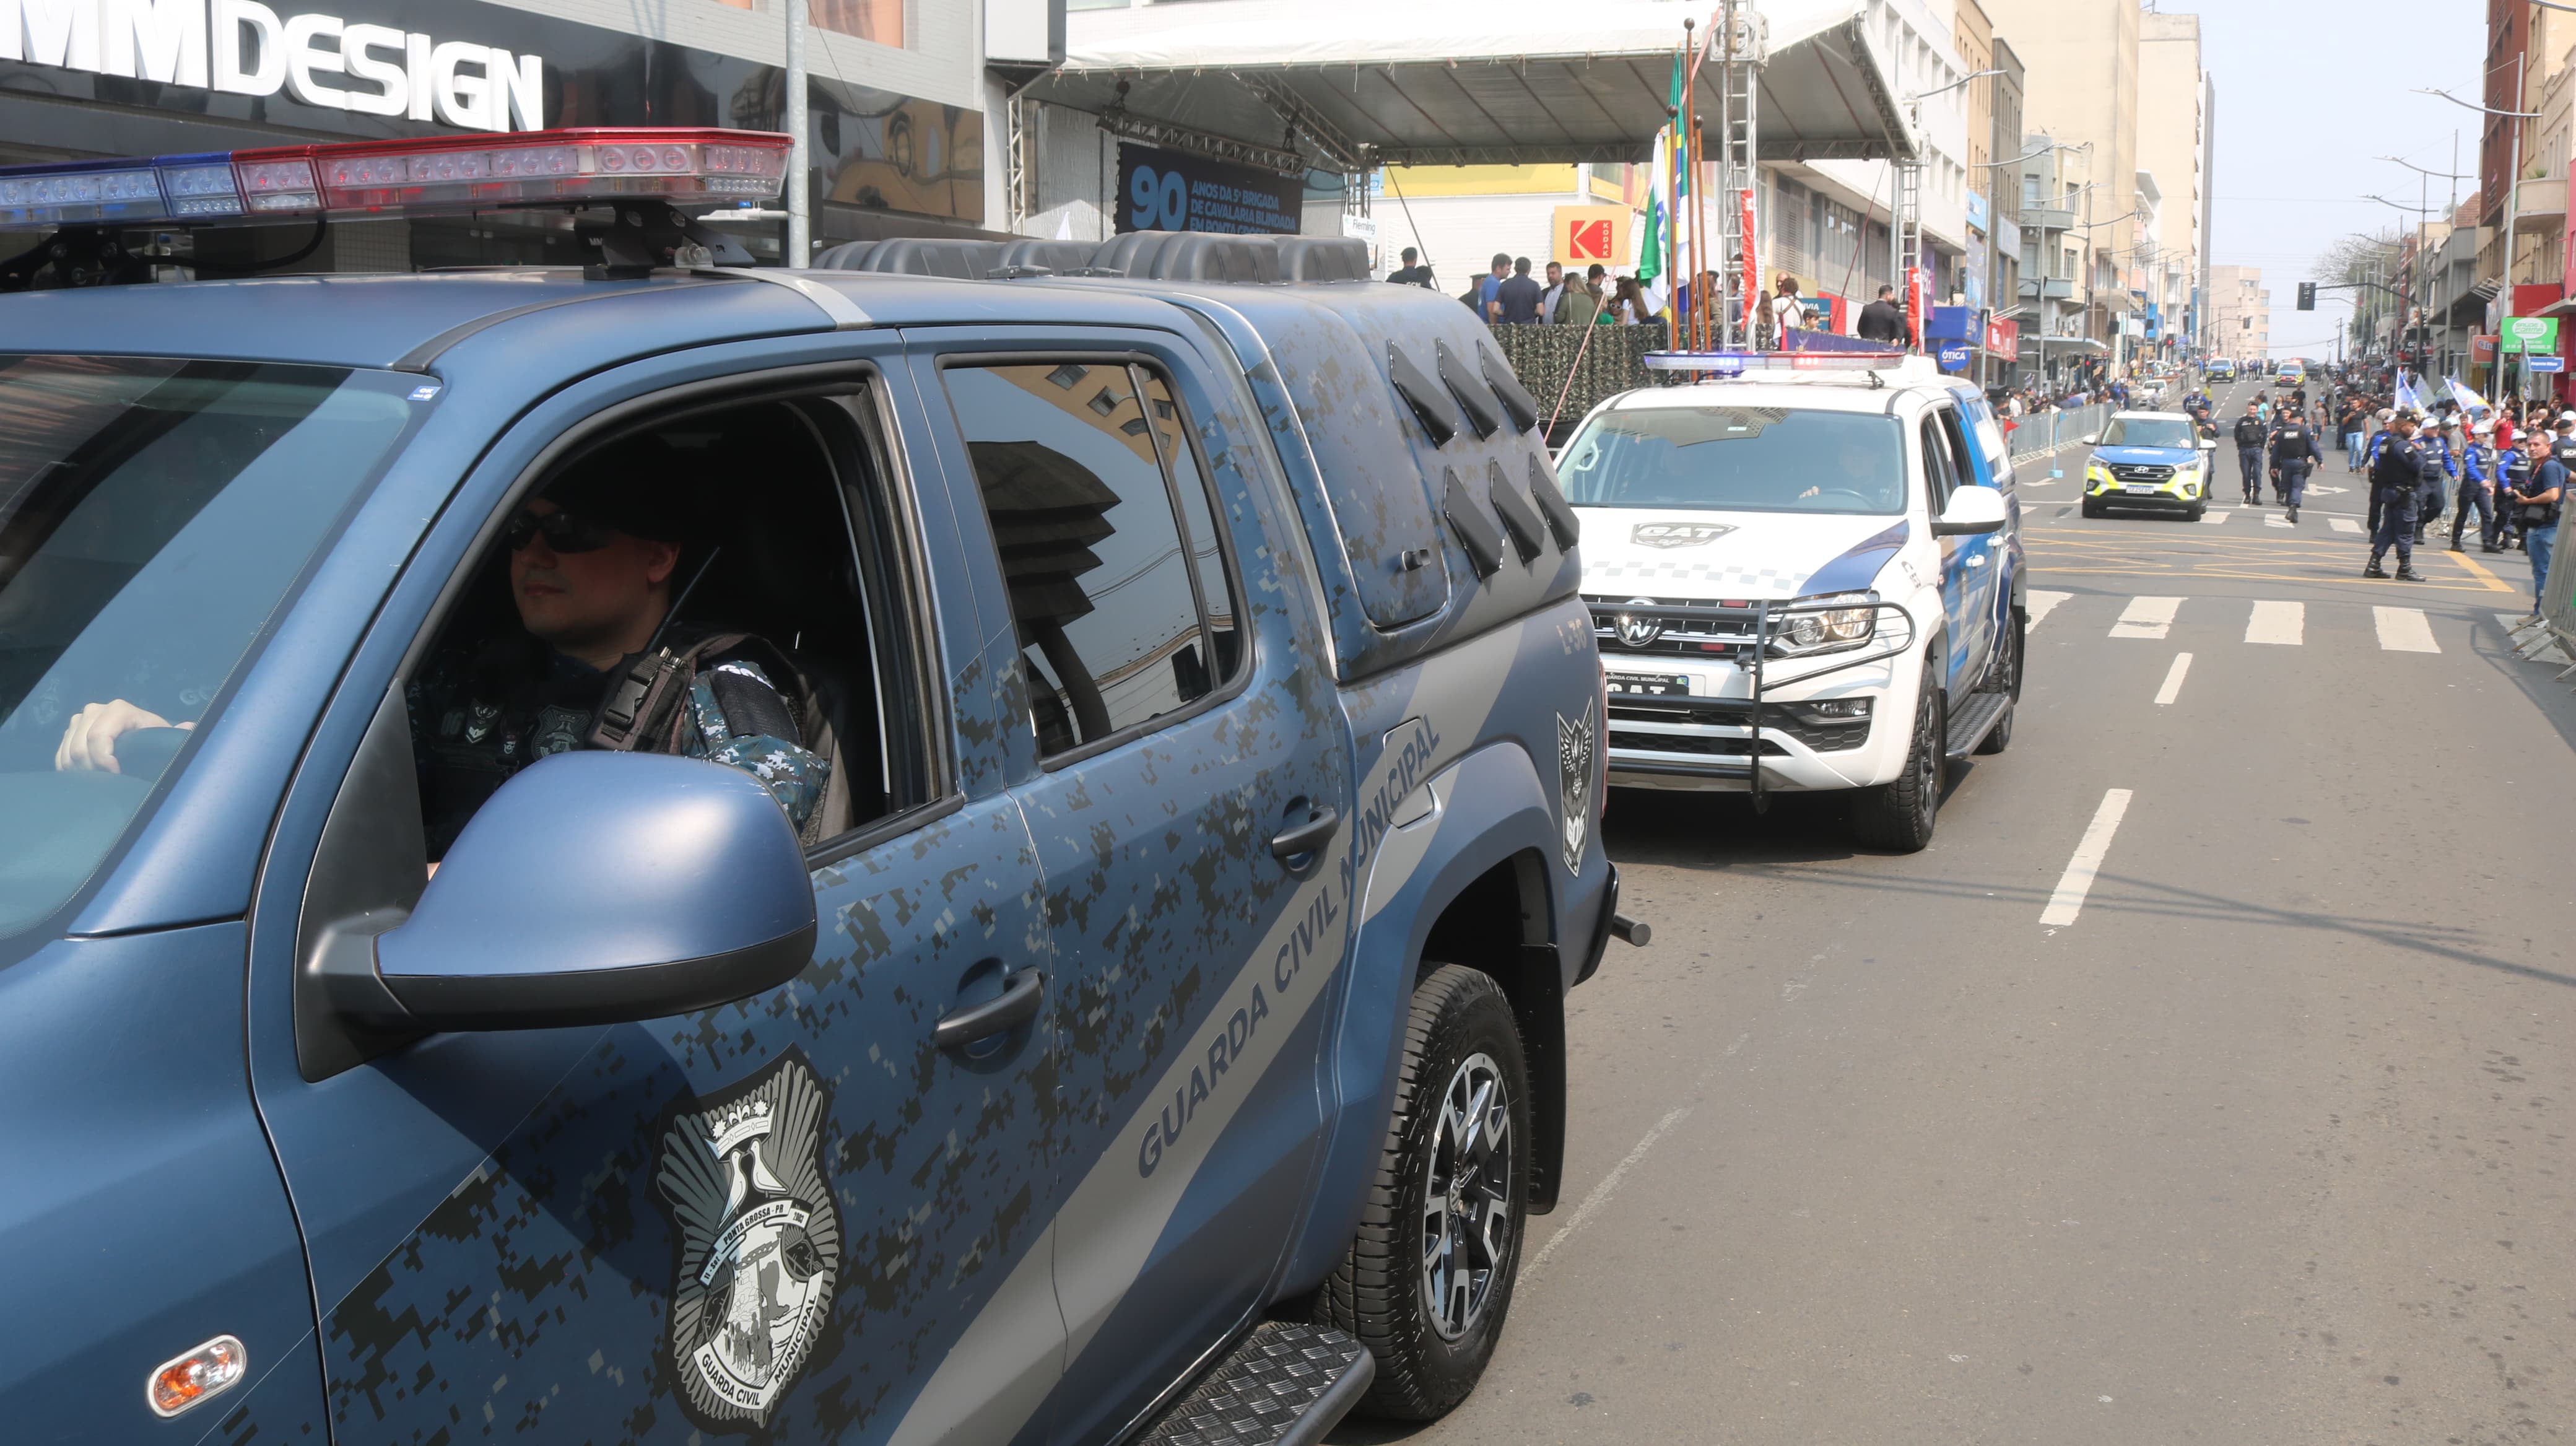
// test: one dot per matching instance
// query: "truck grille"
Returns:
(1621, 627)
(2141, 472)
(1778, 719)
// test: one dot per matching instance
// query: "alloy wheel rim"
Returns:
(1466, 1231)
(1928, 738)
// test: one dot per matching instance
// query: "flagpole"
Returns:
(1672, 159)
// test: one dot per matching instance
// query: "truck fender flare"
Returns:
(1489, 806)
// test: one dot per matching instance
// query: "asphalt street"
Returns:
(2262, 1140)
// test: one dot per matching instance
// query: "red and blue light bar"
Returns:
(428, 176)
(1737, 363)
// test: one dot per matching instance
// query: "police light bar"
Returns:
(439, 174)
(1737, 363)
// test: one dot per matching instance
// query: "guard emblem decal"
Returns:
(1678, 534)
(741, 1178)
(1574, 745)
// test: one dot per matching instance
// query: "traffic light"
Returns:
(2307, 296)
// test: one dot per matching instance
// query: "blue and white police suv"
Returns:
(658, 851)
(1805, 575)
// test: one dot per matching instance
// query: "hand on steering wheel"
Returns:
(89, 739)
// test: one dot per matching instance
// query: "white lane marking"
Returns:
(2405, 630)
(2215, 518)
(2278, 622)
(2173, 680)
(1600, 1194)
(2077, 881)
(2276, 522)
(2326, 489)
(2043, 603)
(2147, 617)
(2343, 524)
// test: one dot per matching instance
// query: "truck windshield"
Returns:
(2149, 432)
(1738, 459)
(154, 513)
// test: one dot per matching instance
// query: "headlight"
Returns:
(1824, 629)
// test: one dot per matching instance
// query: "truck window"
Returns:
(154, 514)
(779, 590)
(1117, 606)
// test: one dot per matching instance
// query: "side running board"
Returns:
(1283, 1385)
(1974, 720)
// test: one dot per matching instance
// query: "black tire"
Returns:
(2196, 511)
(1461, 1033)
(1899, 815)
(2006, 679)
(2092, 508)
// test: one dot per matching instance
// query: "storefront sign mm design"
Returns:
(247, 48)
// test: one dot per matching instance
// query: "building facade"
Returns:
(901, 104)
(2240, 314)
(2002, 179)
(2083, 93)
(2173, 139)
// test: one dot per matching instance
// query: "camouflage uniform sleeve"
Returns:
(791, 772)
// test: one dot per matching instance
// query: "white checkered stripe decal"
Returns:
(1752, 580)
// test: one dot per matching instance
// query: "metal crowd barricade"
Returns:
(2042, 433)
(2557, 620)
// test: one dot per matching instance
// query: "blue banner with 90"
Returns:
(1160, 190)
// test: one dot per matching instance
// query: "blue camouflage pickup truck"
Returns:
(924, 850)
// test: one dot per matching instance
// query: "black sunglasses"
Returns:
(564, 531)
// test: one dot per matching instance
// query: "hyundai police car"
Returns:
(1805, 574)
(2153, 461)
(1117, 994)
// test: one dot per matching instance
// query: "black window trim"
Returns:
(1936, 462)
(778, 384)
(1246, 641)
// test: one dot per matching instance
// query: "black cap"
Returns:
(636, 484)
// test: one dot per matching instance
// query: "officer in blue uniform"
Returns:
(2395, 476)
(600, 660)
(2430, 497)
(2250, 438)
(2294, 452)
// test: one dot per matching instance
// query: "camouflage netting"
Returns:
(1541, 356)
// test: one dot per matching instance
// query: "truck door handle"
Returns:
(1304, 838)
(1016, 1005)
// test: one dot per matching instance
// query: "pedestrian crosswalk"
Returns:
(2147, 617)
(2404, 630)
(2277, 622)
(2274, 517)
(2265, 622)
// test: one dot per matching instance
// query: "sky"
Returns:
(2309, 92)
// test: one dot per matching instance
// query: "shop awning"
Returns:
(1346, 83)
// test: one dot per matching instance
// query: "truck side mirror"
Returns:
(592, 888)
(1973, 511)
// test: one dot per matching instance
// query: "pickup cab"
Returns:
(1150, 1019)
(1806, 575)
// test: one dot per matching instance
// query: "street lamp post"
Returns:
(2513, 183)
(2407, 298)
(2042, 297)
(2427, 176)
(1914, 129)
(800, 247)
